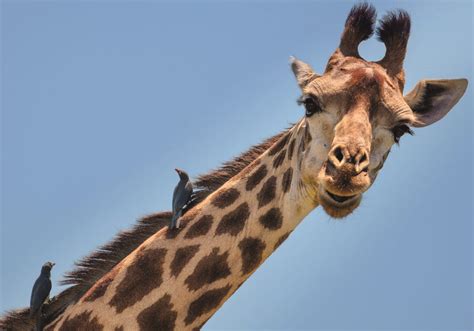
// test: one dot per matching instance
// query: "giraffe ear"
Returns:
(303, 72)
(431, 100)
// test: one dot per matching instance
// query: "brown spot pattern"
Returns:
(119, 328)
(286, 180)
(272, 219)
(173, 233)
(82, 322)
(278, 161)
(301, 146)
(211, 268)
(291, 149)
(278, 146)
(249, 168)
(184, 220)
(251, 250)
(143, 275)
(52, 326)
(282, 239)
(159, 316)
(181, 258)
(225, 197)
(267, 193)
(205, 303)
(233, 222)
(305, 140)
(202, 324)
(99, 289)
(255, 178)
(200, 228)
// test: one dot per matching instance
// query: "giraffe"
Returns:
(354, 112)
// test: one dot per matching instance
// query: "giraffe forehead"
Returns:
(351, 78)
(357, 72)
(365, 76)
(355, 81)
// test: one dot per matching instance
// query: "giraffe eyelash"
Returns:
(311, 104)
(399, 130)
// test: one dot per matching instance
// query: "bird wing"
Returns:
(176, 194)
(182, 195)
(188, 192)
(189, 187)
(39, 293)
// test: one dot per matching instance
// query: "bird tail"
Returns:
(174, 219)
(35, 316)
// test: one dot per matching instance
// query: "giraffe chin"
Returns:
(338, 206)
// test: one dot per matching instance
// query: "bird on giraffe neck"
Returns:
(40, 293)
(181, 197)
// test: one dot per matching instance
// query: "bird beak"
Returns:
(177, 170)
(53, 264)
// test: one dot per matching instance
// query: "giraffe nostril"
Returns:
(338, 154)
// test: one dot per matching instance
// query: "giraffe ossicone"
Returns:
(355, 112)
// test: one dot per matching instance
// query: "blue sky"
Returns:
(101, 101)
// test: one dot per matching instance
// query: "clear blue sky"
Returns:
(96, 95)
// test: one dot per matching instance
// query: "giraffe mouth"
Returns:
(338, 206)
(340, 198)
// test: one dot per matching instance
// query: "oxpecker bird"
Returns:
(181, 196)
(40, 293)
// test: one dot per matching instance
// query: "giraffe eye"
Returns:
(399, 131)
(311, 105)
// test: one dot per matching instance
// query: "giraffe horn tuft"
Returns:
(394, 31)
(359, 27)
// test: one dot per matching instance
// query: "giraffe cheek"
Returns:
(313, 162)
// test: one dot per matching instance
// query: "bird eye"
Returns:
(311, 105)
(399, 131)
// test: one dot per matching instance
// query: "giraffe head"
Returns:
(356, 110)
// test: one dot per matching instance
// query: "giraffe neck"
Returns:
(178, 279)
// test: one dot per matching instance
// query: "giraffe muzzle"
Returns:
(342, 186)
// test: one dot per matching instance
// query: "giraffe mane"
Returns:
(94, 266)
